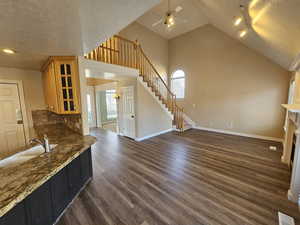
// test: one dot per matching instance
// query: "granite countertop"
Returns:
(16, 183)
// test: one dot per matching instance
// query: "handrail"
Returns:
(155, 70)
(121, 51)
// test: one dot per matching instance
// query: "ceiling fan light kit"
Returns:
(169, 19)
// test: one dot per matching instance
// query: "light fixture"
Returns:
(8, 51)
(169, 21)
(116, 96)
(238, 21)
(243, 33)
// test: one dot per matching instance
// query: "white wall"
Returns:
(150, 117)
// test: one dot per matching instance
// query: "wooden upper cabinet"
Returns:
(61, 85)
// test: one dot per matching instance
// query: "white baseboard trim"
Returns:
(240, 134)
(189, 120)
(153, 135)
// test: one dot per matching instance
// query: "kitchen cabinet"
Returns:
(38, 205)
(59, 192)
(74, 177)
(15, 216)
(86, 165)
(61, 85)
(45, 205)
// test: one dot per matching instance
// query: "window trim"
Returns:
(176, 78)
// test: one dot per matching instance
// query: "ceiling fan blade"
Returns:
(169, 29)
(179, 20)
(157, 23)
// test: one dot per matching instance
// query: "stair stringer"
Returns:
(189, 120)
(140, 79)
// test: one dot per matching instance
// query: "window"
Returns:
(111, 104)
(178, 83)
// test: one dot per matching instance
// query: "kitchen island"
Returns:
(38, 191)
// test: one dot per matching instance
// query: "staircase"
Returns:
(120, 51)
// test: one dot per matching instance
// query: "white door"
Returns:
(128, 112)
(12, 136)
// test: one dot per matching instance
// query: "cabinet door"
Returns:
(52, 93)
(46, 87)
(67, 83)
(39, 207)
(60, 192)
(74, 177)
(16, 216)
(49, 85)
(86, 165)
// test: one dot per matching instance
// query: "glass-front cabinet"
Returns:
(61, 85)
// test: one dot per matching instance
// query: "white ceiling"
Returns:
(189, 18)
(276, 28)
(37, 29)
(276, 23)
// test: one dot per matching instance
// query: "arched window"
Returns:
(178, 83)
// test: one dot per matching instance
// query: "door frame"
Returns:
(19, 84)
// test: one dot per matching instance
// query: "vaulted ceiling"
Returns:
(37, 29)
(275, 30)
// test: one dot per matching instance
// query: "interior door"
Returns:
(128, 112)
(12, 136)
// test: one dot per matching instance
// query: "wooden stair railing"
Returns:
(120, 51)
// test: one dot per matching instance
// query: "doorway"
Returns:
(107, 111)
(12, 129)
(102, 107)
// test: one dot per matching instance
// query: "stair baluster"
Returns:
(120, 51)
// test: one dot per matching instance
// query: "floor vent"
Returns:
(285, 219)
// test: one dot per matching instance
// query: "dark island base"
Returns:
(46, 204)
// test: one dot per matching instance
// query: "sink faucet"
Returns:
(44, 143)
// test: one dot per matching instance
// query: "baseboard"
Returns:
(189, 120)
(153, 135)
(240, 134)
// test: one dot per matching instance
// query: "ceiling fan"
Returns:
(170, 18)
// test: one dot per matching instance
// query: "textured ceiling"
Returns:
(37, 29)
(189, 18)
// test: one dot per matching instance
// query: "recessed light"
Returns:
(243, 33)
(238, 21)
(8, 51)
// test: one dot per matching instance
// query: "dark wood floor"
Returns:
(192, 178)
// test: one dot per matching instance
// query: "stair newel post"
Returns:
(135, 46)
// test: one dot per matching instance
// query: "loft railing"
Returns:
(120, 51)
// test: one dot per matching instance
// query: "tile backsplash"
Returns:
(45, 117)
